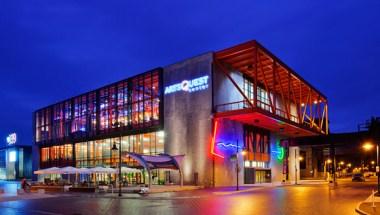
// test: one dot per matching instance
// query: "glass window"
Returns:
(130, 104)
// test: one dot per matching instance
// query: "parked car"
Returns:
(358, 177)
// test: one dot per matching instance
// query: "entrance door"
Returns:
(249, 175)
(262, 176)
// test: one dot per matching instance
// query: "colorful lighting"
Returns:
(12, 139)
(193, 85)
(213, 141)
(12, 156)
(368, 146)
(280, 151)
(229, 145)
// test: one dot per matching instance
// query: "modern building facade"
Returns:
(15, 160)
(209, 108)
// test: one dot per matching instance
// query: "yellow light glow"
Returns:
(244, 152)
(368, 146)
(300, 158)
(342, 163)
(372, 162)
(329, 161)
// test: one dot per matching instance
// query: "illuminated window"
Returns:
(12, 156)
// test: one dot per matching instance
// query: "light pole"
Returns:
(368, 146)
(114, 148)
(243, 153)
(327, 168)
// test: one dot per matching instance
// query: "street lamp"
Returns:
(243, 153)
(114, 148)
(367, 146)
(326, 166)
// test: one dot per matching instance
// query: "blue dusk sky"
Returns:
(52, 50)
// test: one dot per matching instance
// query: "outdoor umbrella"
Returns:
(51, 170)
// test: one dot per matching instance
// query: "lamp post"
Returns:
(368, 146)
(243, 153)
(327, 168)
(114, 148)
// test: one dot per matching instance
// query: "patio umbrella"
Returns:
(102, 170)
(128, 170)
(68, 170)
(51, 170)
(84, 171)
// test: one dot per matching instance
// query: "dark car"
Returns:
(358, 177)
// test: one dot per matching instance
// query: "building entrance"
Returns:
(257, 176)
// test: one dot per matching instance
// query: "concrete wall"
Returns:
(224, 90)
(187, 119)
(275, 163)
(228, 132)
(294, 164)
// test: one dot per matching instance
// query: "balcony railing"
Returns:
(240, 105)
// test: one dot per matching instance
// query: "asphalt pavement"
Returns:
(293, 199)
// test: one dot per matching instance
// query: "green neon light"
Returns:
(281, 154)
(280, 151)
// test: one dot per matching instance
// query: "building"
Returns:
(209, 108)
(319, 152)
(15, 160)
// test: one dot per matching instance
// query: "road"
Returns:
(299, 199)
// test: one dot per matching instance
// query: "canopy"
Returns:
(161, 161)
(102, 170)
(129, 170)
(68, 170)
(84, 171)
(51, 170)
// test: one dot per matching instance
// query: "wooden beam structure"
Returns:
(290, 96)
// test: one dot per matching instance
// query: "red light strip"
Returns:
(213, 141)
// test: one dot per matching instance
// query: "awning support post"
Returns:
(149, 178)
(180, 177)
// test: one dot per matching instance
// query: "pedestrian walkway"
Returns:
(369, 206)
(25, 196)
(155, 189)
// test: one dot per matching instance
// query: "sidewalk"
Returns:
(366, 206)
(25, 196)
(156, 189)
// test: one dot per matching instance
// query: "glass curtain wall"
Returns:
(256, 142)
(99, 153)
(130, 104)
(262, 95)
(58, 156)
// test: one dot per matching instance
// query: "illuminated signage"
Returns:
(279, 151)
(11, 139)
(190, 86)
(228, 145)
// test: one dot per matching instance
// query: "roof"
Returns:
(252, 59)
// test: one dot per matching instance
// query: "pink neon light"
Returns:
(213, 141)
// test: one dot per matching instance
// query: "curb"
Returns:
(357, 209)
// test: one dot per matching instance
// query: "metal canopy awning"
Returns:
(161, 161)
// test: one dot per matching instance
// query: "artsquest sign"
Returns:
(12, 139)
(193, 85)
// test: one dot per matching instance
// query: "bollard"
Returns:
(373, 199)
